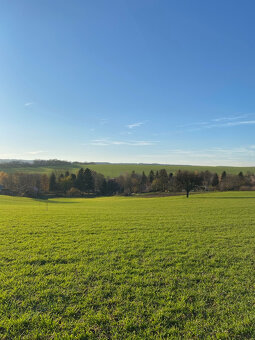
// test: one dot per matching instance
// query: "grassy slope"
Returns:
(128, 268)
(114, 170)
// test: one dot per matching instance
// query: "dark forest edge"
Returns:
(89, 183)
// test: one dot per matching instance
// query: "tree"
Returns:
(3, 177)
(89, 184)
(135, 182)
(65, 183)
(240, 175)
(113, 187)
(156, 185)
(215, 180)
(188, 180)
(223, 181)
(163, 179)
(171, 182)
(104, 187)
(207, 177)
(73, 178)
(53, 182)
(223, 176)
(79, 183)
(151, 176)
(143, 182)
(44, 183)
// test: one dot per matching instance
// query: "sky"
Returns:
(144, 81)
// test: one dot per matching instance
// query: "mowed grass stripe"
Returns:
(124, 268)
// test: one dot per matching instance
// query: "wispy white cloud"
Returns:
(230, 118)
(243, 122)
(22, 155)
(29, 103)
(134, 125)
(236, 156)
(107, 142)
(35, 152)
(220, 122)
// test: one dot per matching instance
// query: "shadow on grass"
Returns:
(46, 201)
(227, 198)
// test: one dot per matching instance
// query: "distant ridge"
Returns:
(57, 162)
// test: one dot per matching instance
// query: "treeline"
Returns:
(87, 182)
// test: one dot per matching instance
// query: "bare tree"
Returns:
(188, 180)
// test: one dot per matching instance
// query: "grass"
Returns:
(125, 268)
(114, 170)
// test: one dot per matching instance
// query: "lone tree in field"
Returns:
(188, 180)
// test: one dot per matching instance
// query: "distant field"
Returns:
(114, 170)
(128, 268)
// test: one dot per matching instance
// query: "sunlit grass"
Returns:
(126, 268)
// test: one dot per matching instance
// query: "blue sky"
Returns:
(128, 81)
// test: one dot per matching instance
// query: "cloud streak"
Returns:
(237, 156)
(29, 103)
(220, 122)
(107, 142)
(35, 152)
(134, 125)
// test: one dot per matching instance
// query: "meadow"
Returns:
(128, 267)
(115, 170)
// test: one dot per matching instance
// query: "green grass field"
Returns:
(114, 170)
(128, 268)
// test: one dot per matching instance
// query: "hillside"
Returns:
(114, 170)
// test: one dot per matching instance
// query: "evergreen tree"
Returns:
(104, 188)
(223, 175)
(143, 178)
(133, 174)
(73, 178)
(240, 175)
(52, 182)
(151, 176)
(113, 187)
(163, 179)
(79, 183)
(143, 182)
(89, 184)
(215, 180)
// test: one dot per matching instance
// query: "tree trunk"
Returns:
(187, 194)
